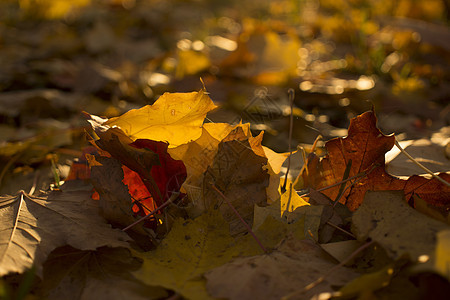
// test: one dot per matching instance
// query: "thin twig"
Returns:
(353, 183)
(291, 93)
(290, 197)
(169, 201)
(342, 187)
(336, 184)
(341, 229)
(323, 277)
(240, 218)
(420, 165)
(314, 146)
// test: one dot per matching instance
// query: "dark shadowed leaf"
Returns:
(70, 273)
(292, 267)
(31, 227)
(386, 218)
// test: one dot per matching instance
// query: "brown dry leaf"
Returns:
(386, 218)
(239, 173)
(31, 227)
(365, 146)
(115, 201)
(293, 266)
(334, 215)
(70, 273)
(199, 154)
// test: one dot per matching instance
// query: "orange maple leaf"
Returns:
(365, 146)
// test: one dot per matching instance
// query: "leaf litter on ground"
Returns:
(199, 240)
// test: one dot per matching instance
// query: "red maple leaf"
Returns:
(169, 174)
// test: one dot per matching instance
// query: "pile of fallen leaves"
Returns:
(163, 204)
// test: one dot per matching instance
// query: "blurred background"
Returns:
(341, 57)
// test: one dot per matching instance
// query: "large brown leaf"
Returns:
(239, 172)
(387, 219)
(289, 269)
(365, 146)
(31, 227)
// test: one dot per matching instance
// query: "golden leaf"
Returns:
(175, 118)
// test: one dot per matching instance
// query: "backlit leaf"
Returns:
(366, 146)
(174, 118)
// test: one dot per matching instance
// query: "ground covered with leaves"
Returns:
(157, 149)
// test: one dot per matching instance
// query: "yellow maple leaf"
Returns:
(175, 118)
(194, 247)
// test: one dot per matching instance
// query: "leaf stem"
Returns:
(291, 94)
(341, 229)
(337, 183)
(344, 183)
(240, 218)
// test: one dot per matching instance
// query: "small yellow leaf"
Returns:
(275, 159)
(175, 118)
(290, 200)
